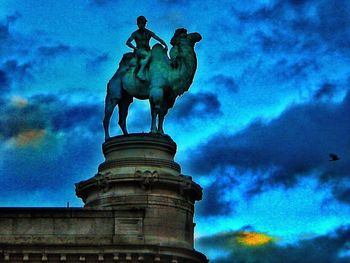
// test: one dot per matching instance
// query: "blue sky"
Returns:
(270, 101)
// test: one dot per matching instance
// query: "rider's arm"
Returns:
(160, 40)
(130, 39)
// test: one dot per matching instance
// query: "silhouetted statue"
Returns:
(164, 79)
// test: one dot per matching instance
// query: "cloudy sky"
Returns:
(269, 103)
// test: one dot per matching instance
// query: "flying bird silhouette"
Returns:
(333, 157)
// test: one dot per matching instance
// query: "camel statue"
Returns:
(165, 80)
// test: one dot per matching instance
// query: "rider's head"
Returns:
(141, 22)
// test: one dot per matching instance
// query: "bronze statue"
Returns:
(164, 79)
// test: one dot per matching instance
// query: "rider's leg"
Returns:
(144, 59)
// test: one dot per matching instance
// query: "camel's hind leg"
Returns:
(154, 113)
(109, 107)
(156, 101)
(123, 105)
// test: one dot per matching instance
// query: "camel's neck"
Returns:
(183, 74)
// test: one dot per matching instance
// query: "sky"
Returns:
(269, 103)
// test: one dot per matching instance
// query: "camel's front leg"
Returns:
(160, 124)
(161, 118)
(156, 99)
(154, 114)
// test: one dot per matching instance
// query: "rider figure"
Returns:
(142, 49)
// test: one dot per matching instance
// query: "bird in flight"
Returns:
(333, 157)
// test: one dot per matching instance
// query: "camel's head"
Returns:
(182, 37)
(194, 37)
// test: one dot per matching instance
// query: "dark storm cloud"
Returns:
(295, 144)
(214, 203)
(14, 17)
(268, 34)
(4, 32)
(342, 193)
(296, 69)
(15, 120)
(4, 81)
(13, 45)
(228, 56)
(13, 71)
(270, 13)
(16, 69)
(43, 112)
(93, 57)
(63, 115)
(49, 135)
(334, 23)
(298, 2)
(276, 40)
(4, 26)
(200, 105)
(100, 59)
(5, 37)
(326, 248)
(225, 81)
(175, 2)
(290, 42)
(51, 166)
(302, 24)
(102, 3)
(95, 62)
(52, 51)
(78, 115)
(327, 90)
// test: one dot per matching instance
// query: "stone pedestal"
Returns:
(141, 178)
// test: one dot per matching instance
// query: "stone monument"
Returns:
(152, 201)
(162, 81)
(138, 207)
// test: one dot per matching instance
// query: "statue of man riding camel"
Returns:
(150, 74)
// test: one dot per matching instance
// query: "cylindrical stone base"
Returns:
(139, 180)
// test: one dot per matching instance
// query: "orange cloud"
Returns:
(253, 238)
(19, 101)
(29, 137)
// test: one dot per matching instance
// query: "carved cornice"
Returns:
(140, 140)
(136, 161)
(100, 253)
(146, 180)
